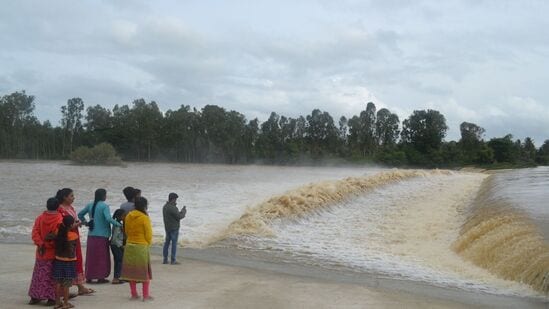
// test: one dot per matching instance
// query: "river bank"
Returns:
(205, 279)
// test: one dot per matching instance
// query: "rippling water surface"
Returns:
(215, 195)
(526, 189)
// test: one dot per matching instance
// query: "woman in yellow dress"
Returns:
(136, 264)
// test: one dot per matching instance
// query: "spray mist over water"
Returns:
(501, 238)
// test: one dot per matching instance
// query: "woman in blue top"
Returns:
(98, 259)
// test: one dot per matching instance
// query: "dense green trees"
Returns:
(99, 123)
(362, 134)
(422, 136)
(505, 150)
(542, 156)
(71, 122)
(424, 130)
(387, 128)
(140, 131)
(321, 134)
(473, 148)
(21, 134)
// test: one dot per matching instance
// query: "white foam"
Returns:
(403, 230)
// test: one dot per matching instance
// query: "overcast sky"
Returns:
(485, 62)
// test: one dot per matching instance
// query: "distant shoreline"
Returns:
(327, 163)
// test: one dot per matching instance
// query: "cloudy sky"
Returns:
(485, 62)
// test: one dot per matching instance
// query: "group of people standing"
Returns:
(58, 263)
(127, 233)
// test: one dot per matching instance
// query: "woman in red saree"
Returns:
(66, 198)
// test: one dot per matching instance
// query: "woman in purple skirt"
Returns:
(42, 286)
(98, 259)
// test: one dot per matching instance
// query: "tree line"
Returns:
(141, 132)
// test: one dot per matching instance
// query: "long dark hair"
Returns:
(141, 205)
(100, 196)
(62, 235)
(62, 194)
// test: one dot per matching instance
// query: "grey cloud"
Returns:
(521, 128)
(453, 56)
(157, 37)
(50, 96)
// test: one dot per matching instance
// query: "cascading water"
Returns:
(502, 238)
(311, 199)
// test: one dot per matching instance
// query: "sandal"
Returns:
(50, 302)
(88, 291)
(69, 305)
(99, 281)
(34, 301)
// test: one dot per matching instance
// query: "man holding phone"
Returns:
(172, 216)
